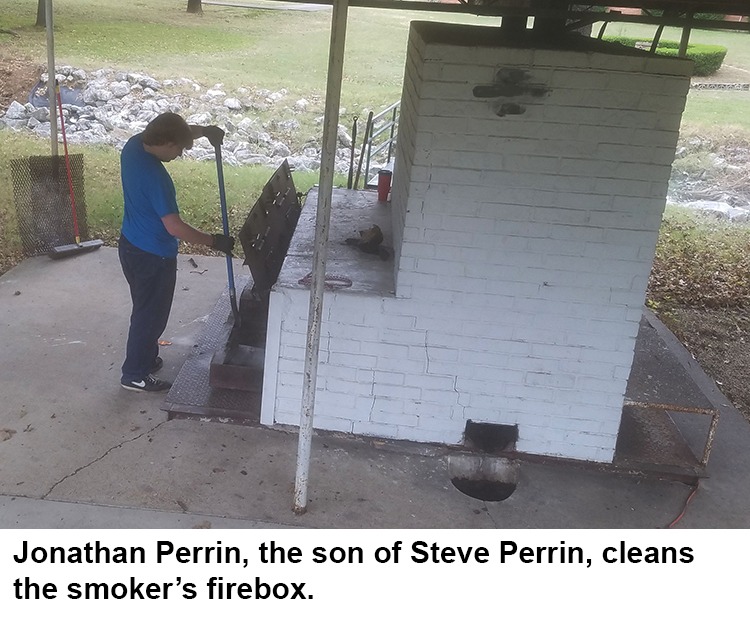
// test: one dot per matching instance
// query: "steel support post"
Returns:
(323, 219)
(51, 76)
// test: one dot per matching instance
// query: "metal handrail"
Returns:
(390, 127)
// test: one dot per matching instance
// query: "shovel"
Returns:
(225, 225)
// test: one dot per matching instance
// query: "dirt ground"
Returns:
(718, 338)
(17, 77)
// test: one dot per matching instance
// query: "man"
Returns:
(151, 229)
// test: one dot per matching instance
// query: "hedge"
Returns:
(708, 58)
(696, 16)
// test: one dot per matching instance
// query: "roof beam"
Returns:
(677, 13)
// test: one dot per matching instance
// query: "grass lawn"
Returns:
(233, 46)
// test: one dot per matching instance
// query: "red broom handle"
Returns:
(67, 165)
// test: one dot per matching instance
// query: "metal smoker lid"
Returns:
(269, 227)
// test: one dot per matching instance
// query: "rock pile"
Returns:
(107, 107)
(712, 178)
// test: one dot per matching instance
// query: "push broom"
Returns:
(64, 251)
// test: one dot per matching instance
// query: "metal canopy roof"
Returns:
(680, 13)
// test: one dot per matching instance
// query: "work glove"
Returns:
(223, 243)
(214, 134)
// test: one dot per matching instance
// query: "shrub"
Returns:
(707, 58)
(697, 16)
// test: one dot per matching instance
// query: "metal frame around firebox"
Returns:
(713, 413)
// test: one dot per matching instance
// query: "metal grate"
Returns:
(43, 207)
(269, 228)
(192, 393)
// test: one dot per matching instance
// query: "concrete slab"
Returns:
(28, 513)
(355, 210)
(79, 451)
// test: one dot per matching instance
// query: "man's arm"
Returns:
(180, 229)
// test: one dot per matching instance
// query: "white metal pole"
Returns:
(323, 219)
(51, 76)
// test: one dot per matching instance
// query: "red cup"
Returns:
(384, 184)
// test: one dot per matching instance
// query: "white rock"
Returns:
(103, 95)
(279, 149)
(151, 83)
(15, 123)
(42, 129)
(739, 215)
(16, 111)
(41, 114)
(200, 119)
(120, 88)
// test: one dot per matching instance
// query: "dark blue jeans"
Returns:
(152, 280)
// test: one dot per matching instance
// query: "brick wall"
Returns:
(523, 243)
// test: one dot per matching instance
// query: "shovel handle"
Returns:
(225, 227)
(349, 181)
(222, 192)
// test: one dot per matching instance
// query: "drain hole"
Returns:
(490, 438)
(485, 490)
(489, 479)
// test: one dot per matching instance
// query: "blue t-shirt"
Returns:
(149, 195)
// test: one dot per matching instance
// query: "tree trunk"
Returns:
(41, 14)
(195, 6)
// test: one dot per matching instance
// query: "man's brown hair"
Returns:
(166, 128)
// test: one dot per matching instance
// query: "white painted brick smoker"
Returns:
(529, 185)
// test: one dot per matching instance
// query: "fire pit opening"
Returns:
(490, 438)
(485, 478)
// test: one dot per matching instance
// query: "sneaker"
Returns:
(158, 364)
(149, 383)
